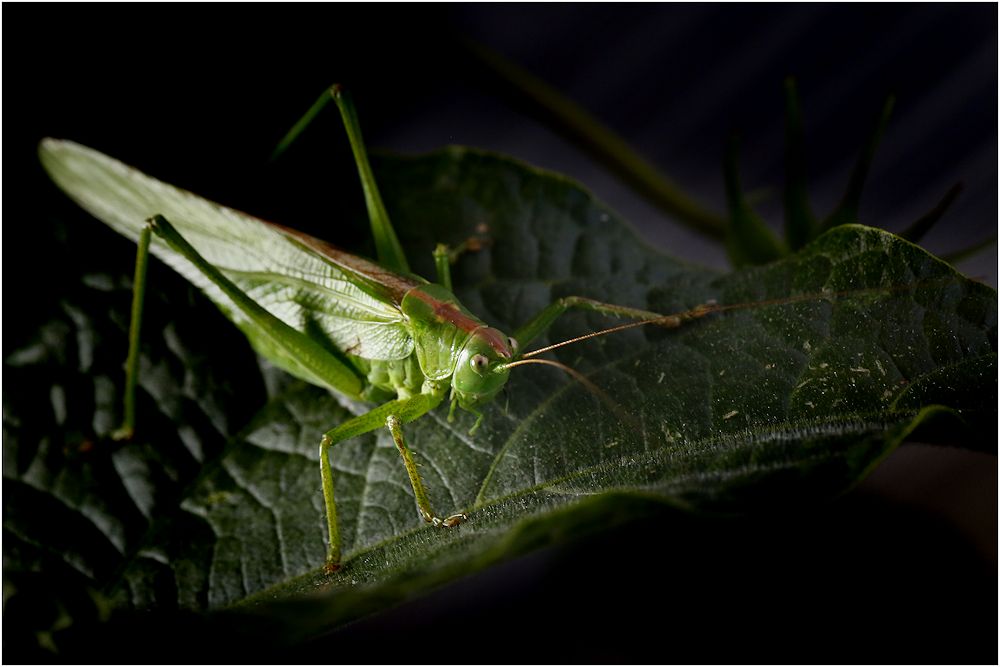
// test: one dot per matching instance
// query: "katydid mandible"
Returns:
(370, 331)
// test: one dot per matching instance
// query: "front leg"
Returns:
(392, 414)
(395, 425)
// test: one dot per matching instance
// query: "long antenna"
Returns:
(582, 379)
(667, 321)
(677, 319)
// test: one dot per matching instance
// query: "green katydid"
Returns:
(370, 331)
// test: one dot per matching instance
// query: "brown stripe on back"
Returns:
(395, 285)
(449, 312)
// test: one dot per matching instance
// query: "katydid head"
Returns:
(481, 370)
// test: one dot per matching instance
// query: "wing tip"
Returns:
(52, 144)
(51, 149)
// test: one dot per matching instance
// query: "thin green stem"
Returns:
(748, 238)
(969, 251)
(920, 227)
(847, 210)
(603, 143)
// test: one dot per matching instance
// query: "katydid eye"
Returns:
(513, 345)
(479, 363)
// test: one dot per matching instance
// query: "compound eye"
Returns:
(479, 363)
(513, 345)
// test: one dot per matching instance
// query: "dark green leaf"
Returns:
(841, 351)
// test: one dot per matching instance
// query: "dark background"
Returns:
(901, 570)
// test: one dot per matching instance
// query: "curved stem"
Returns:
(604, 144)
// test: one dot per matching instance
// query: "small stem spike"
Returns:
(921, 226)
(847, 210)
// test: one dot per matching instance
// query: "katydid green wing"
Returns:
(295, 282)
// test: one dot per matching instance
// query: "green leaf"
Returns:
(841, 351)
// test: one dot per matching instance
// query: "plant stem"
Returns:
(607, 146)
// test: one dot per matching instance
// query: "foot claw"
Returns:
(123, 434)
(330, 568)
(449, 522)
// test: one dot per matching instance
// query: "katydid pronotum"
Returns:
(401, 341)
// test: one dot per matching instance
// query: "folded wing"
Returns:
(308, 284)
